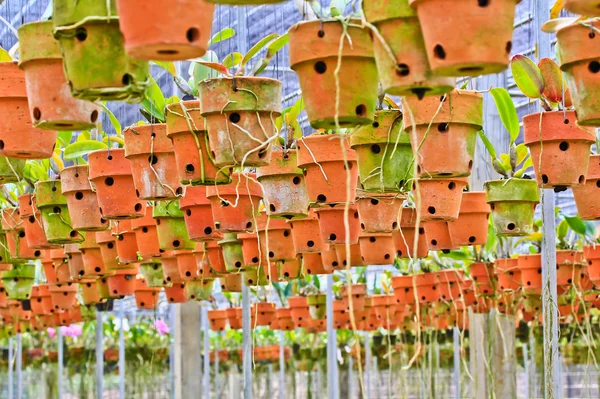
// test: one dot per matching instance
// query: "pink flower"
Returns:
(161, 327)
(76, 330)
(64, 330)
(51, 332)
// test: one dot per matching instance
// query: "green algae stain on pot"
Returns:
(317, 305)
(170, 227)
(56, 219)
(513, 203)
(11, 170)
(233, 256)
(18, 281)
(153, 273)
(199, 290)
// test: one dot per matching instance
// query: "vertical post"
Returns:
(247, 341)
(503, 364)
(270, 380)
(332, 377)
(175, 354)
(206, 350)
(216, 379)
(532, 376)
(368, 364)
(122, 351)
(281, 365)
(478, 364)
(99, 355)
(350, 377)
(189, 327)
(527, 371)
(19, 366)
(11, 356)
(60, 363)
(456, 339)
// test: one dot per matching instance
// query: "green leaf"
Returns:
(64, 138)
(4, 56)
(224, 34)
(508, 112)
(527, 76)
(337, 8)
(522, 153)
(85, 135)
(576, 224)
(526, 165)
(257, 47)
(154, 102)
(561, 230)
(81, 148)
(216, 67)
(553, 80)
(232, 60)
(273, 48)
(487, 143)
(297, 108)
(201, 72)
(456, 255)
(167, 66)
(113, 119)
(505, 162)
(557, 8)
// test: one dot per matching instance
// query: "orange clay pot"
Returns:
(41, 301)
(81, 200)
(122, 283)
(508, 274)
(583, 7)
(261, 313)
(377, 249)
(289, 269)
(312, 264)
(32, 223)
(440, 198)
(306, 234)
(568, 271)
(404, 239)
(214, 255)
(170, 268)
(74, 266)
(341, 315)
(471, 227)
(64, 296)
(559, 148)
(187, 130)
(166, 30)
(217, 319)
(407, 72)
(586, 285)
(384, 307)
(146, 297)
(299, 309)
(284, 317)
(231, 282)
(48, 266)
(89, 292)
(235, 205)
(239, 114)
(93, 263)
(198, 215)
(275, 238)
(322, 158)
(591, 253)
(470, 39)
(530, 267)
(18, 138)
(176, 293)
(18, 247)
(444, 137)
(61, 265)
(234, 317)
(125, 240)
(151, 155)
(332, 222)
(108, 249)
(450, 285)
(483, 278)
(203, 261)
(588, 208)
(340, 252)
(315, 56)
(359, 291)
(284, 187)
(379, 213)
(438, 236)
(111, 178)
(186, 263)
(146, 235)
(250, 249)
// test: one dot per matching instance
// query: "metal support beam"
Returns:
(368, 364)
(190, 350)
(216, 379)
(19, 366)
(206, 351)
(503, 363)
(122, 350)
(11, 355)
(527, 371)
(60, 363)
(332, 375)
(281, 365)
(247, 342)
(478, 352)
(456, 339)
(99, 355)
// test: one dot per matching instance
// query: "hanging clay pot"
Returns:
(187, 130)
(312, 264)
(234, 317)
(275, 239)
(61, 265)
(170, 226)
(16, 238)
(568, 268)
(176, 293)
(239, 115)
(199, 290)
(93, 263)
(18, 137)
(508, 274)
(73, 267)
(440, 198)
(11, 170)
(111, 178)
(443, 130)
(379, 213)
(588, 207)
(317, 305)
(332, 221)
(48, 267)
(151, 155)
(261, 313)
(591, 253)
(284, 317)
(231, 282)
(186, 264)
(233, 254)
(266, 274)
(450, 284)
(166, 30)
(306, 234)
(559, 148)
(125, 240)
(377, 248)
(384, 308)
(89, 291)
(64, 295)
(153, 274)
(55, 214)
(202, 262)
(289, 269)
(469, 39)
(383, 153)
(358, 292)
(41, 302)
(198, 215)
(81, 199)
(284, 188)
(583, 7)
(341, 315)
(50, 102)
(483, 278)
(341, 257)
(214, 254)
(513, 204)
(299, 309)
(170, 268)
(322, 158)
(400, 52)
(146, 235)
(146, 297)
(331, 57)
(108, 249)
(579, 59)
(405, 237)
(251, 250)
(235, 205)
(90, 39)
(471, 227)
(217, 319)
(438, 236)
(122, 283)
(32, 223)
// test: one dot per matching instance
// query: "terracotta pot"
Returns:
(55, 214)
(483, 278)
(284, 188)
(89, 292)
(568, 271)
(217, 319)
(234, 317)
(577, 53)
(405, 238)
(187, 130)
(450, 285)
(146, 235)
(341, 315)
(164, 30)
(170, 226)
(377, 249)
(231, 283)
(251, 252)
(508, 274)
(240, 128)
(341, 258)
(11, 169)
(125, 241)
(233, 254)
(261, 313)
(323, 158)
(32, 223)
(384, 308)
(154, 274)
(73, 267)
(586, 284)
(477, 42)
(41, 301)
(264, 275)
(108, 249)
(198, 215)
(405, 71)
(299, 309)
(513, 204)
(583, 7)
(146, 297)
(176, 293)
(170, 267)
(559, 148)
(289, 269)
(151, 155)
(122, 283)
(16, 237)
(214, 254)
(199, 290)
(275, 240)
(306, 234)
(379, 213)
(471, 227)
(50, 102)
(358, 293)
(48, 266)
(591, 253)
(203, 262)
(19, 139)
(93, 263)
(438, 236)
(83, 44)
(531, 273)
(111, 178)
(284, 317)
(235, 205)
(61, 265)
(316, 304)
(64, 296)
(440, 198)
(585, 195)
(332, 222)
(312, 264)
(186, 264)
(81, 199)
(315, 56)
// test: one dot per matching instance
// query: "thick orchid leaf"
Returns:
(222, 35)
(522, 153)
(63, 139)
(297, 108)
(557, 8)
(561, 230)
(232, 60)
(257, 47)
(154, 102)
(487, 143)
(576, 224)
(553, 80)
(507, 111)
(81, 148)
(215, 66)
(527, 76)
(167, 66)
(505, 162)
(4, 56)
(113, 119)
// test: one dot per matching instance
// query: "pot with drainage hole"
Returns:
(513, 203)
(404, 237)
(265, 274)
(125, 240)
(146, 297)
(240, 112)
(151, 155)
(199, 289)
(290, 269)
(176, 293)
(187, 266)
(472, 225)
(170, 226)
(111, 178)
(231, 282)
(559, 148)
(377, 248)
(197, 214)
(379, 212)
(93, 263)
(586, 195)
(15, 237)
(146, 235)
(82, 201)
(275, 239)
(484, 281)
(508, 274)
(31, 221)
(233, 255)
(530, 266)
(153, 274)
(306, 234)
(55, 214)
(108, 249)
(90, 39)
(122, 283)
(440, 198)
(18, 281)
(332, 224)
(438, 236)
(317, 305)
